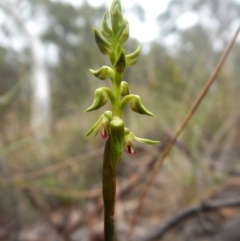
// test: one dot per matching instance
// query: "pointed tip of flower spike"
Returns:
(103, 45)
(116, 16)
(137, 106)
(114, 3)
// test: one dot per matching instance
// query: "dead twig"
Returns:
(190, 212)
(180, 129)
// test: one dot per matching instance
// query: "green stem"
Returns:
(109, 189)
(116, 109)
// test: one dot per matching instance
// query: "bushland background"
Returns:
(50, 175)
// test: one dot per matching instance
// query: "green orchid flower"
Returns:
(129, 139)
(103, 123)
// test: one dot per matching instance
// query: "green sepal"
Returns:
(95, 127)
(106, 30)
(103, 73)
(109, 93)
(100, 99)
(120, 63)
(104, 46)
(124, 88)
(103, 121)
(145, 141)
(132, 58)
(117, 134)
(116, 16)
(137, 106)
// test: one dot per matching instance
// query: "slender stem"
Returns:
(109, 189)
(116, 109)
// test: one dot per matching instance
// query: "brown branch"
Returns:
(180, 129)
(189, 212)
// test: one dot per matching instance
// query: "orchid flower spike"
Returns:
(110, 41)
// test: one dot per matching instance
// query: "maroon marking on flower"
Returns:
(130, 150)
(104, 134)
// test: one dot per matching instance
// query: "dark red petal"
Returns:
(104, 134)
(130, 150)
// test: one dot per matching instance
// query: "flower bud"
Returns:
(120, 63)
(124, 88)
(106, 30)
(124, 35)
(132, 58)
(137, 106)
(117, 134)
(103, 45)
(102, 73)
(116, 16)
(100, 99)
(108, 114)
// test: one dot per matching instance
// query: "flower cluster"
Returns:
(110, 41)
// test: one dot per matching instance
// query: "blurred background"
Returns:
(50, 175)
